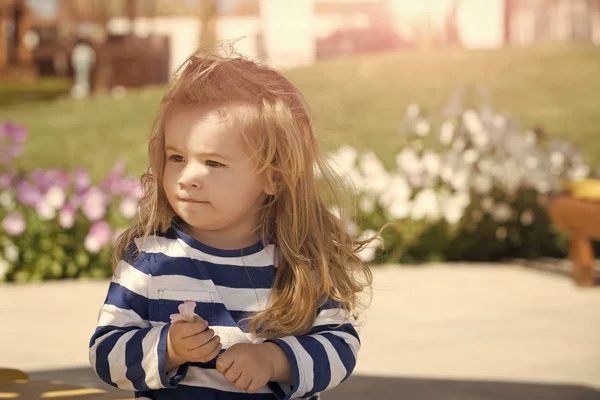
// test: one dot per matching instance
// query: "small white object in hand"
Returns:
(186, 312)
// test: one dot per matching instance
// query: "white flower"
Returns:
(542, 186)
(66, 218)
(422, 128)
(375, 174)
(395, 199)
(92, 244)
(432, 163)
(487, 204)
(578, 172)
(472, 122)
(453, 206)
(510, 175)
(46, 211)
(354, 179)
(481, 138)
(55, 197)
(11, 252)
(446, 133)
(398, 189)
(557, 159)
(128, 207)
(470, 156)
(459, 144)
(532, 162)
(4, 266)
(368, 253)
(482, 184)
(366, 204)
(527, 217)
(7, 202)
(417, 179)
(501, 212)
(486, 166)
(400, 209)
(412, 111)
(336, 212)
(425, 206)
(352, 228)
(460, 179)
(408, 161)
(343, 159)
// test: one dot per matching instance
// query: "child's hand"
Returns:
(191, 342)
(247, 366)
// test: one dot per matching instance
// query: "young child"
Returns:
(232, 220)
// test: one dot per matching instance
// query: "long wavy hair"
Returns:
(317, 259)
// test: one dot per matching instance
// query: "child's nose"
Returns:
(191, 178)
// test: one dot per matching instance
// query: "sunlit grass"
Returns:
(358, 100)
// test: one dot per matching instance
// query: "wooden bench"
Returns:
(581, 219)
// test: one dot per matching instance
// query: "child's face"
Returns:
(210, 178)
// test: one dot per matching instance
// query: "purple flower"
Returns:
(132, 187)
(28, 194)
(82, 180)
(52, 177)
(113, 184)
(17, 133)
(94, 204)
(66, 219)
(14, 224)
(6, 181)
(98, 237)
(118, 169)
(61, 179)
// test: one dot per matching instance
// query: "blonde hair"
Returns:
(317, 260)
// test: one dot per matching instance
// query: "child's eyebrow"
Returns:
(204, 154)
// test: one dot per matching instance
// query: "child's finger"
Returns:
(224, 361)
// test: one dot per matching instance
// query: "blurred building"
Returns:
(496, 23)
(37, 36)
(534, 21)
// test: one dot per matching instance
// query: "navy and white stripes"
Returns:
(128, 347)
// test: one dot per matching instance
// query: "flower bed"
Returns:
(57, 224)
(470, 186)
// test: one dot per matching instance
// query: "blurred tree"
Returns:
(208, 19)
(451, 26)
(205, 10)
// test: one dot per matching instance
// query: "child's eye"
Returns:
(176, 158)
(212, 163)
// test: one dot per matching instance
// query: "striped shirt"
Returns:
(128, 347)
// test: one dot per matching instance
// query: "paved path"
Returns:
(480, 331)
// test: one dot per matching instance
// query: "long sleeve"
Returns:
(126, 350)
(321, 359)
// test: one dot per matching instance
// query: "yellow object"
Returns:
(5, 395)
(588, 189)
(11, 375)
(71, 393)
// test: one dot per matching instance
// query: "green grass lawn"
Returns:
(358, 100)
